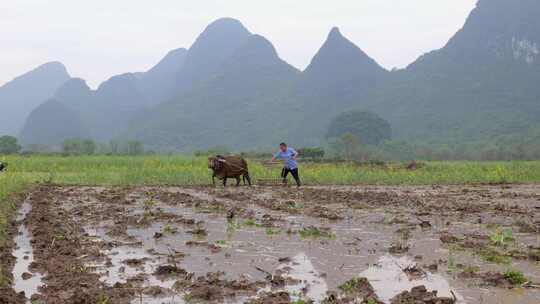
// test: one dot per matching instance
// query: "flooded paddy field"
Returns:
(346, 244)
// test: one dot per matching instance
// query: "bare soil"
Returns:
(371, 244)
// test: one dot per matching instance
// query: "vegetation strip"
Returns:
(186, 170)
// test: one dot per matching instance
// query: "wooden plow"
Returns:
(275, 181)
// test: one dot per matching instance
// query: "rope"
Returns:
(231, 164)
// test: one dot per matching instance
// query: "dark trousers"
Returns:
(294, 173)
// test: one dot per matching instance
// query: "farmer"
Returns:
(288, 155)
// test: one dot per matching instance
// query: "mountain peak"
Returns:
(334, 32)
(217, 42)
(495, 31)
(53, 69)
(21, 95)
(338, 53)
(256, 53)
(223, 28)
(75, 88)
(340, 64)
(226, 22)
(336, 37)
(52, 65)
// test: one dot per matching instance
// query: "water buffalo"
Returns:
(3, 166)
(224, 167)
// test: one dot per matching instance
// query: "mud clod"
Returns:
(398, 248)
(420, 295)
(281, 297)
(356, 290)
(169, 270)
(448, 238)
(26, 276)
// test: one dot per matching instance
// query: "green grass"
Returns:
(492, 255)
(471, 269)
(314, 232)
(10, 185)
(353, 285)
(156, 170)
(515, 277)
(251, 223)
(501, 237)
(272, 231)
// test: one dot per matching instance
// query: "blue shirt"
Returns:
(287, 158)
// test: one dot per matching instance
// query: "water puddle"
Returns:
(245, 246)
(389, 279)
(300, 268)
(24, 280)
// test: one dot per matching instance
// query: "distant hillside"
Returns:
(105, 113)
(241, 106)
(482, 84)
(339, 78)
(254, 99)
(230, 88)
(213, 46)
(50, 123)
(159, 83)
(24, 93)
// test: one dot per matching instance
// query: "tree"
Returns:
(135, 147)
(367, 126)
(351, 145)
(114, 146)
(71, 146)
(79, 146)
(88, 147)
(311, 152)
(9, 145)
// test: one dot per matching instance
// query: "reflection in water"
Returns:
(302, 269)
(247, 248)
(25, 256)
(388, 279)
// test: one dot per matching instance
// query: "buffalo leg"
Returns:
(237, 181)
(214, 180)
(248, 178)
(224, 182)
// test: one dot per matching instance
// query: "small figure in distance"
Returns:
(288, 156)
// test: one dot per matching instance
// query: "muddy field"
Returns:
(477, 244)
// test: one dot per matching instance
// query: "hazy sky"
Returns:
(97, 39)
